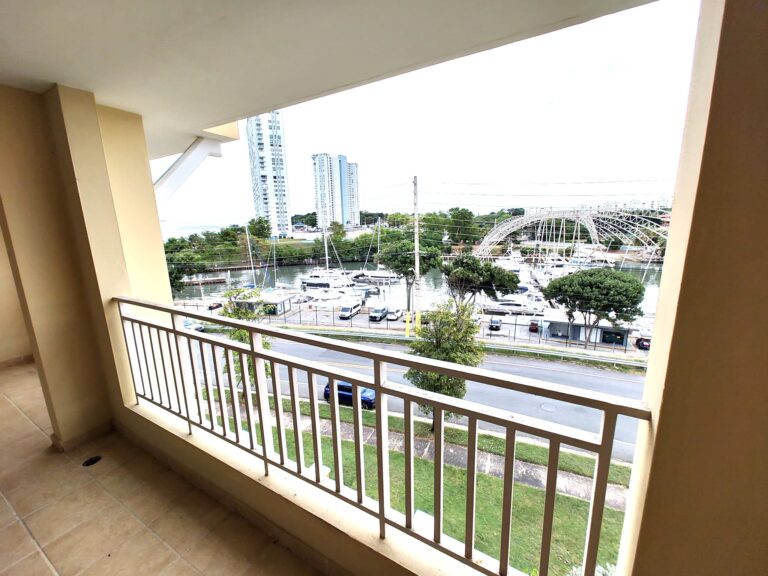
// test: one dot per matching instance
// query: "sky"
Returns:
(587, 115)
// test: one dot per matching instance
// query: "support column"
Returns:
(81, 225)
(46, 271)
(698, 502)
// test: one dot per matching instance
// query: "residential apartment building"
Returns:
(336, 190)
(268, 173)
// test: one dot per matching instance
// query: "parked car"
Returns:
(533, 326)
(378, 314)
(215, 305)
(344, 394)
(394, 314)
(349, 311)
(190, 324)
(495, 324)
(643, 343)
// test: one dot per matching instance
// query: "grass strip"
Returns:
(524, 451)
(570, 518)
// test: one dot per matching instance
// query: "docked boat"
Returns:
(334, 278)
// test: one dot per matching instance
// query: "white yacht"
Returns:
(327, 278)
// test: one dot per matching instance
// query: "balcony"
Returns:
(125, 514)
(439, 494)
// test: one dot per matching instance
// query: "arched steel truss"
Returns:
(631, 227)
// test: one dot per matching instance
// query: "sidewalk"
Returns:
(535, 475)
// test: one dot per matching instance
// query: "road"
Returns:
(586, 378)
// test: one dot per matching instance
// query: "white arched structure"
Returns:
(629, 226)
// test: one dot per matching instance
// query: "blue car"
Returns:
(367, 396)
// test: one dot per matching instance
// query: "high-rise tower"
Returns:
(336, 193)
(268, 181)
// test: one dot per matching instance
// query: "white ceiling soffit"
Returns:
(186, 65)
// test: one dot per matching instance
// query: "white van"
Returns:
(349, 310)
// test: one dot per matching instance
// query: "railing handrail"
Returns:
(587, 398)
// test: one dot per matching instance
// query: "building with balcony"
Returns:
(336, 192)
(201, 469)
(268, 171)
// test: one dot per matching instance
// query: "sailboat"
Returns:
(327, 277)
(382, 274)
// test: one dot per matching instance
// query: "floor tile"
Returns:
(179, 568)
(142, 553)
(188, 520)
(61, 516)
(43, 489)
(229, 549)
(15, 544)
(89, 541)
(33, 565)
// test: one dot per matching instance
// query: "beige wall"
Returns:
(14, 342)
(81, 228)
(133, 193)
(41, 248)
(699, 502)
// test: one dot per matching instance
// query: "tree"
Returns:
(337, 231)
(234, 308)
(400, 257)
(467, 276)
(463, 229)
(309, 219)
(449, 335)
(260, 227)
(180, 263)
(598, 294)
(397, 219)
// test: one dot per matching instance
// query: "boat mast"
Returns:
(325, 244)
(250, 254)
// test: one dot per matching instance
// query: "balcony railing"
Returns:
(223, 387)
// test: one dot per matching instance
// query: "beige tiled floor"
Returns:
(128, 514)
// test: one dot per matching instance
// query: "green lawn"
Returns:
(524, 451)
(527, 510)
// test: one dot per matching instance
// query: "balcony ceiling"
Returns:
(186, 65)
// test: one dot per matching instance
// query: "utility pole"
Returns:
(417, 250)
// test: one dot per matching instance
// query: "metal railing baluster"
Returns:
(408, 453)
(599, 488)
(245, 379)
(148, 386)
(382, 442)
(506, 505)
(439, 422)
(173, 373)
(154, 362)
(338, 462)
(221, 392)
(195, 381)
(469, 523)
(279, 416)
(357, 417)
(549, 506)
(164, 363)
(208, 389)
(229, 357)
(298, 438)
(315, 418)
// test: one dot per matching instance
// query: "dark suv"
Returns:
(494, 324)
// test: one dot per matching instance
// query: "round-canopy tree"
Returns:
(467, 276)
(598, 294)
